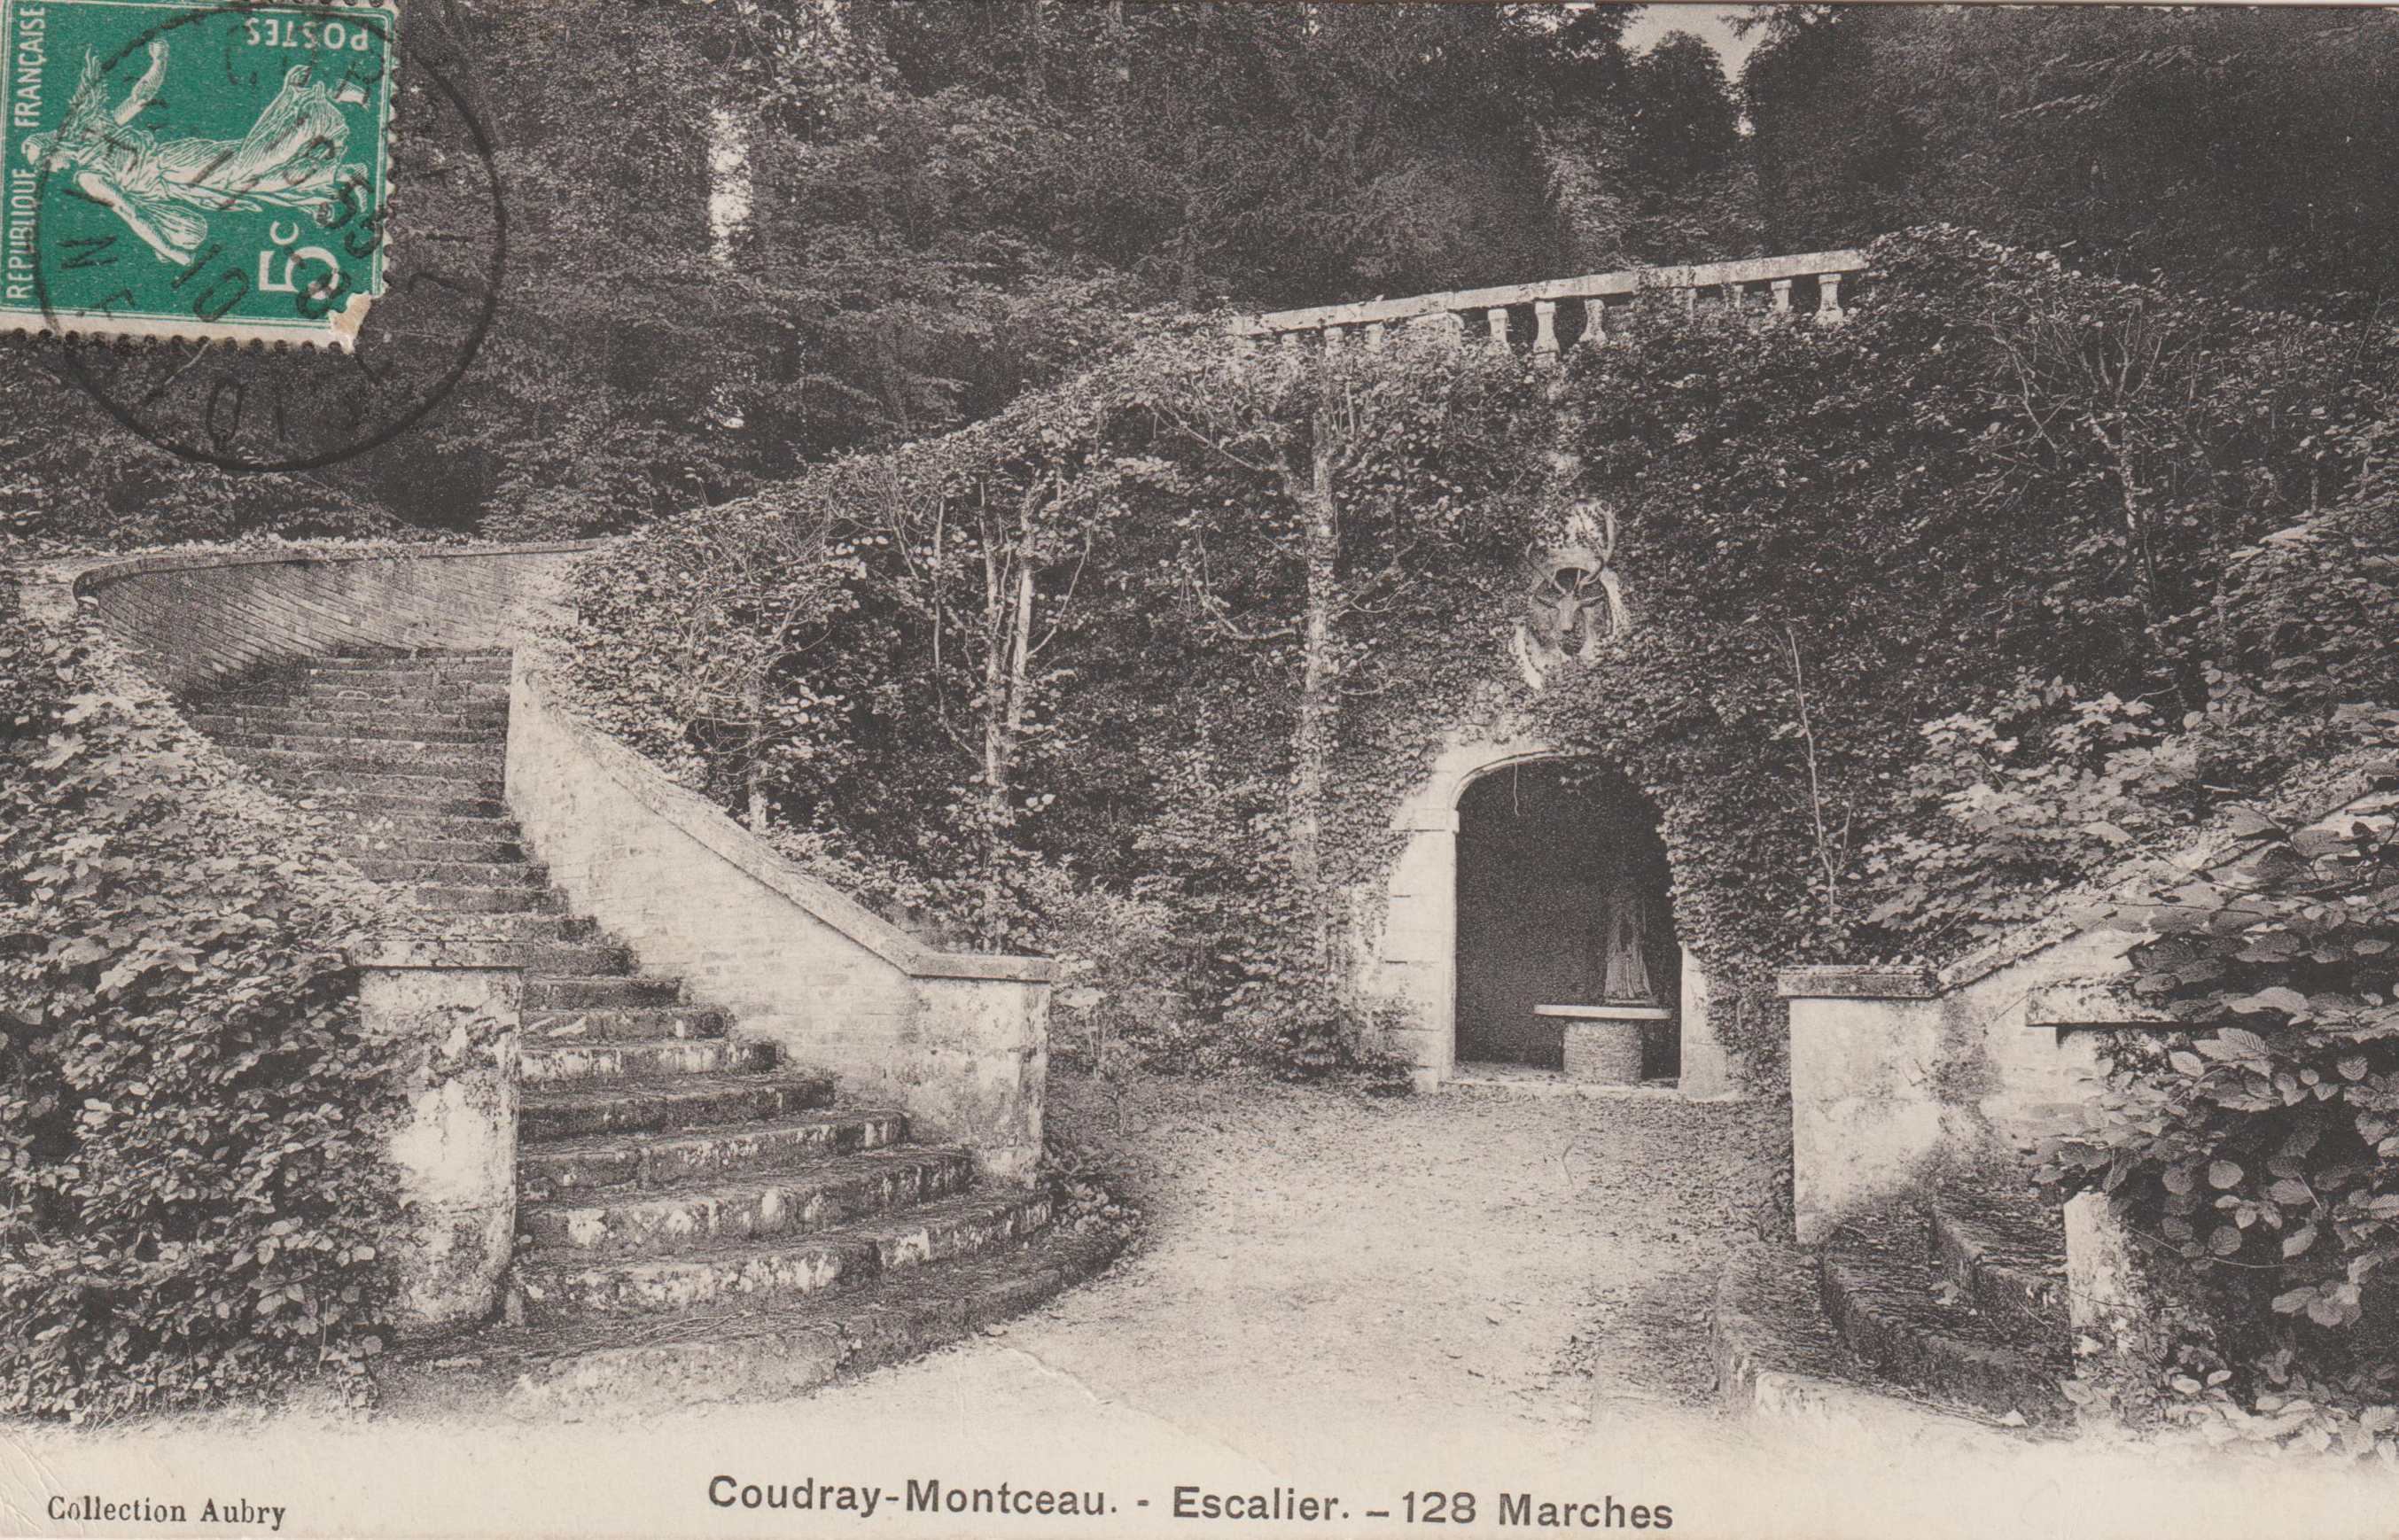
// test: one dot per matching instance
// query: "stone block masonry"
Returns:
(959, 1040)
(195, 619)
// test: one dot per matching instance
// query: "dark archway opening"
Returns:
(1562, 902)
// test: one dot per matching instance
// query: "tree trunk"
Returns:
(1009, 581)
(1319, 673)
(753, 769)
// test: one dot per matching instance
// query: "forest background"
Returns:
(751, 236)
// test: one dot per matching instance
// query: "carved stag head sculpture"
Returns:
(1570, 586)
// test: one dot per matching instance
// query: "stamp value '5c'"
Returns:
(177, 169)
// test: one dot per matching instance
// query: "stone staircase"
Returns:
(698, 1219)
(1962, 1301)
(1957, 1306)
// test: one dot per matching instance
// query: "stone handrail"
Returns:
(1733, 280)
(958, 1040)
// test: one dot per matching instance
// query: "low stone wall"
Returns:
(451, 1011)
(197, 617)
(1899, 1075)
(959, 1041)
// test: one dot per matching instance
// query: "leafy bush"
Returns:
(191, 1194)
(2261, 1144)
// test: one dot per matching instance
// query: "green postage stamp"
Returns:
(178, 170)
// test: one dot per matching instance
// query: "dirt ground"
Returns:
(1314, 1259)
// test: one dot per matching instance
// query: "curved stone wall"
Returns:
(199, 618)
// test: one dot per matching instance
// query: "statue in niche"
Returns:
(1625, 971)
(1573, 588)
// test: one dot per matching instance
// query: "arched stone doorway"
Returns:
(1412, 966)
(1565, 925)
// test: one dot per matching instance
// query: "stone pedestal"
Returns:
(1603, 1043)
(1604, 1053)
(1865, 1105)
(453, 1008)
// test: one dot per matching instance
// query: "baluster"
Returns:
(1828, 300)
(1496, 318)
(1374, 336)
(1244, 346)
(1545, 326)
(1333, 339)
(1732, 299)
(1783, 296)
(1690, 303)
(1290, 342)
(1595, 322)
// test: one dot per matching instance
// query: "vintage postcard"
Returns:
(1063, 768)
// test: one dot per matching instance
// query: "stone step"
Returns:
(428, 696)
(357, 718)
(367, 826)
(278, 753)
(577, 993)
(376, 669)
(573, 1167)
(573, 959)
(392, 843)
(699, 1214)
(625, 1023)
(492, 873)
(1897, 1311)
(594, 1061)
(451, 899)
(2006, 1255)
(666, 1106)
(387, 656)
(739, 1353)
(309, 780)
(518, 928)
(336, 796)
(361, 734)
(565, 1284)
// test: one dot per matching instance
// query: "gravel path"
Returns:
(1320, 1259)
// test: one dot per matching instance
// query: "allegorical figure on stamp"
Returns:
(291, 158)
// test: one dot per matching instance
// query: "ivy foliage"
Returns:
(1934, 612)
(1035, 684)
(2260, 1143)
(192, 1201)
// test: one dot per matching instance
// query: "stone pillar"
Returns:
(1595, 322)
(1829, 299)
(452, 1010)
(1374, 336)
(1781, 296)
(1545, 326)
(1418, 955)
(1496, 318)
(1865, 1109)
(1442, 329)
(1707, 1069)
(1290, 342)
(2129, 1311)
(1332, 340)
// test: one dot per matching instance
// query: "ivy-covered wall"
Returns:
(1930, 613)
(194, 1204)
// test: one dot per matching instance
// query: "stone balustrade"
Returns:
(1531, 314)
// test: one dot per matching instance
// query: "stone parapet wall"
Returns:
(1899, 1075)
(958, 1041)
(198, 618)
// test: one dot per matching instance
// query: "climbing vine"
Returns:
(1907, 621)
